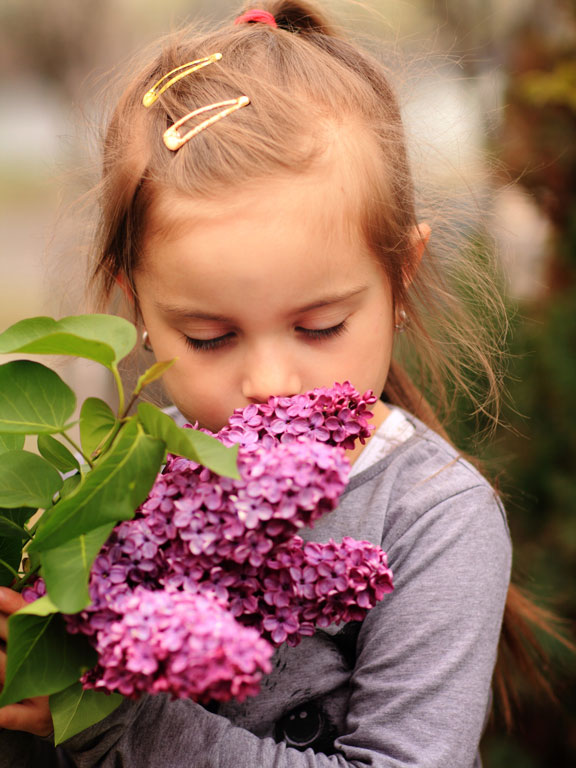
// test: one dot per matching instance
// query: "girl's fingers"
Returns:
(31, 715)
(10, 601)
(2, 669)
(3, 628)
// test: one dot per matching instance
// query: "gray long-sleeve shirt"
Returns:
(409, 686)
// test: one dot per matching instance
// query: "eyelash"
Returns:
(325, 333)
(317, 334)
(205, 345)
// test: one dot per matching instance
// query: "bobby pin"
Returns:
(172, 138)
(185, 69)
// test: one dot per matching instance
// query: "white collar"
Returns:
(394, 430)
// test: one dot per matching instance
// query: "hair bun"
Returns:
(299, 17)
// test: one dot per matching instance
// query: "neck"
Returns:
(380, 412)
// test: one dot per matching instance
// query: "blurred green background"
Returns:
(488, 89)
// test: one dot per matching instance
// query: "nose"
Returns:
(269, 372)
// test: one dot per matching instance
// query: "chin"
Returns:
(212, 425)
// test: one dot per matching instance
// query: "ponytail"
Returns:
(304, 18)
(521, 654)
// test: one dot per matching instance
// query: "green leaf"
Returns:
(57, 454)
(66, 569)
(8, 571)
(152, 374)
(27, 480)
(189, 443)
(11, 544)
(70, 485)
(11, 442)
(33, 399)
(103, 338)
(109, 493)
(10, 555)
(42, 657)
(74, 709)
(96, 422)
(11, 530)
(20, 516)
(41, 607)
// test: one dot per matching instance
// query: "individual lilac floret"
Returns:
(336, 416)
(181, 644)
(34, 590)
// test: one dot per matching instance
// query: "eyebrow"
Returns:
(325, 301)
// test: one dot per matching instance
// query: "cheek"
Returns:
(378, 327)
(198, 395)
(375, 352)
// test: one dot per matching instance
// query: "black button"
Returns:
(301, 727)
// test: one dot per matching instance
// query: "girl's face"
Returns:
(267, 293)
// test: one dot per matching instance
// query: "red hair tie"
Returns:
(264, 17)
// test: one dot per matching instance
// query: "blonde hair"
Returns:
(302, 77)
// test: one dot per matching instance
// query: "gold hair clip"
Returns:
(172, 138)
(180, 72)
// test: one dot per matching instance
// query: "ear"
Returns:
(420, 236)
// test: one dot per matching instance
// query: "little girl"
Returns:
(257, 209)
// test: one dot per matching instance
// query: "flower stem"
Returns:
(29, 534)
(23, 580)
(131, 402)
(8, 567)
(120, 388)
(77, 448)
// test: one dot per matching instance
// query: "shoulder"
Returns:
(426, 460)
(425, 482)
(175, 415)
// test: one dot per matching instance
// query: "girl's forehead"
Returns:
(312, 201)
(269, 251)
(330, 194)
(279, 218)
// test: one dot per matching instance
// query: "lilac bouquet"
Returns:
(191, 595)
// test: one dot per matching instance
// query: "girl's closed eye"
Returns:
(208, 344)
(315, 334)
(324, 333)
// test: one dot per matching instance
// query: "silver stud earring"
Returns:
(146, 341)
(403, 323)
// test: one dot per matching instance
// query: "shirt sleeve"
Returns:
(421, 683)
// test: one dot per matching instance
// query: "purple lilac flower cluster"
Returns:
(229, 547)
(336, 416)
(307, 585)
(173, 641)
